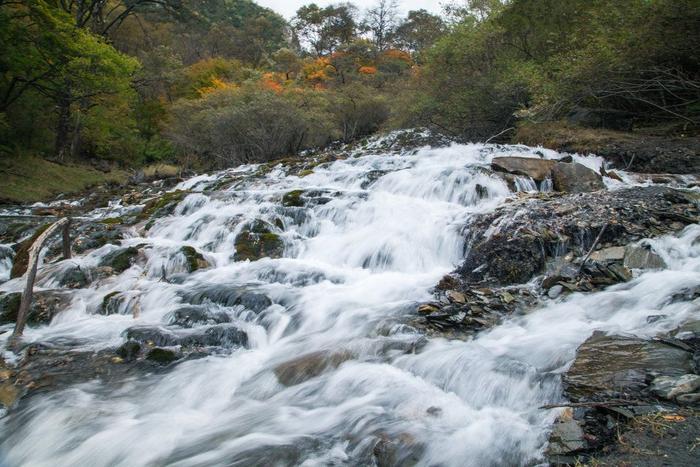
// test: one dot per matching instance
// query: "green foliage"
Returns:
(541, 59)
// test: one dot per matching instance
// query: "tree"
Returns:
(68, 65)
(419, 31)
(381, 21)
(288, 62)
(324, 29)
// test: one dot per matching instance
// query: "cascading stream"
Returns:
(386, 229)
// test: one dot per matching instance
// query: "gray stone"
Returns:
(555, 291)
(639, 257)
(669, 387)
(566, 437)
(615, 253)
(575, 178)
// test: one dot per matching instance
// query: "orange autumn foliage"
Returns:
(367, 70)
(217, 84)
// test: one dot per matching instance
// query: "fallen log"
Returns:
(32, 266)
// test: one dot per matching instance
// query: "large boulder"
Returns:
(610, 367)
(537, 169)
(504, 260)
(575, 178)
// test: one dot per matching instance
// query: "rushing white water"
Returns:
(353, 267)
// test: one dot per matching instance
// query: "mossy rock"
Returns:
(194, 259)
(129, 351)
(45, 305)
(305, 172)
(20, 264)
(120, 260)
(293, 199)
(110, 303)
(161, 356)
(9, 307)
(113, 220)
(162, 206)
(258, 241)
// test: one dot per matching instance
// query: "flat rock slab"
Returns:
(537, 169)
(620, 367)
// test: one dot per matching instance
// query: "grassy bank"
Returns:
(29, 179)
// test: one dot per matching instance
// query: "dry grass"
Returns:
(560, 135)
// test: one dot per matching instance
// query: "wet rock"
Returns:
(161, 356)
(575, 178)
(256, 241)
(670, 387)
(642, 257)
(428, 308)
(555, 291)
(229, 296)
(163, 205)
(120, 260)
(122, 303)
(93, 235)
(194, 259)
(620, 367)
(221, 335)
(254, 301)
(9, 306)
(72, 276)
(402, 449)
(293, 199)
(129, 350)
(309, 366)
(152, 336)
(537, 169)
(504, 260)
(45, 305)
(190, 316)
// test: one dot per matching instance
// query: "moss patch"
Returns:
(293, 198)
(162, 206)
(162, 356)
(28, 179)
(120, 260)
(9, 307)
(257, 241)
(195, 260)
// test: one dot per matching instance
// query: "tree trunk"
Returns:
(63, 141)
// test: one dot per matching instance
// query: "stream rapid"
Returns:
(382, 231)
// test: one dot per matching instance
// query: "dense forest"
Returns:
(215, 83)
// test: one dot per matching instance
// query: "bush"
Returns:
(249, 124)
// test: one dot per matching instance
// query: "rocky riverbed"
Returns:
(406, 300)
